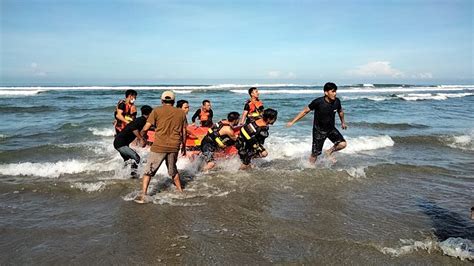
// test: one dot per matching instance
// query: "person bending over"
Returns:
(252, 137)
(219, 136)
(127, 135)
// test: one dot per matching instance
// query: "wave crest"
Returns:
(454, 246)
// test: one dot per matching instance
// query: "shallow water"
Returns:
(400, 193)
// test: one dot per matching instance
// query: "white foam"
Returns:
(370, 90)
(280, 91)
(455, 247)
(356, 172)
(429, 96)
(3, 136)
(463, 142)
(89, 187)
(367, 143)
(15, 92)
(53, 170)
(161, 88)
(376, 98)
(280, 147)
(182, 91)
(458, 247)
(368, 85)
(170, 196)
(456, 86)
(103, 132)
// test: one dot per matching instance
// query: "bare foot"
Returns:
(140, 199)
(330, 156)
(177, 183)
(245, 167)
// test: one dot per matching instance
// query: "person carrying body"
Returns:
(252, 137)
(219, 136)
(253, 107)
(325, 109)
(125, 111)
(204, 114)
(170, 136)
(127, 135)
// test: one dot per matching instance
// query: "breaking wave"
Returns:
(53, 170)
(103, 132)
(454, 246)
(23, 92)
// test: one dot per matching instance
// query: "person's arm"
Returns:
(298, 116)
(211, 114)
(145, 129)
(343, 122)
(119, 114)
(196, 114)
(141, 140)
(229, 132)
(244, 116)
(245, 113)
(183, 137)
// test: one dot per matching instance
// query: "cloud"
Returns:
(425, 75)
(376, 69)
(36, 70)
(274, 74)
(279, 74)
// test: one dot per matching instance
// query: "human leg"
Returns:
(207, 152)
(317, 146)
(154, 162)
(171, 159)
(128, 153)
(338, 140)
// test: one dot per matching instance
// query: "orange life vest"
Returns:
(204, 115)
(255, 108)
(129, 113)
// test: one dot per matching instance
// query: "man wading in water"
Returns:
(170, 136)
(325, 109)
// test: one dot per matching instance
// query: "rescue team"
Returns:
(245, 134)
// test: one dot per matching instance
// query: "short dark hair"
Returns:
(251, 90)
(206, 101)
(232, 116)
(168, 101)
(330, 87)
(131, 92)
(270, 114)
(146, 109)
(180, 103)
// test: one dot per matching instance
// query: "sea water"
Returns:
(401, 191)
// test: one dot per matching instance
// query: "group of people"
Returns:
(247, 132)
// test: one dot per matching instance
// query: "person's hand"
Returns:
(289, 124)
(344, 126)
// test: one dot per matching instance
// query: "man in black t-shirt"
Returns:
(325, 109)
(127, 135)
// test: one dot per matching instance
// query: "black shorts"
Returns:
(320, 136)
(207, 149)
(248, 151)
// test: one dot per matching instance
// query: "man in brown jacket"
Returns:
(170, 135)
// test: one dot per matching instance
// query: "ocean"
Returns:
(400, 193)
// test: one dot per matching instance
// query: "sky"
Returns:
(215, 42)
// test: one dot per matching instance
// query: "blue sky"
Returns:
(184, 42)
